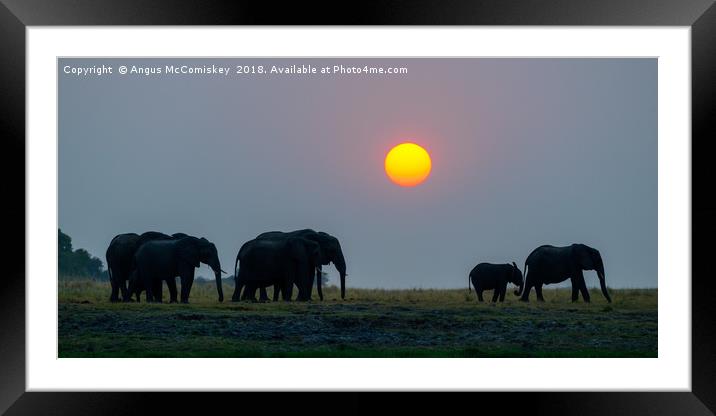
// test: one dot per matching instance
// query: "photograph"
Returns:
(501, 199)
(357, 207)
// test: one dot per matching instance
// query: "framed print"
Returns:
(473, 203)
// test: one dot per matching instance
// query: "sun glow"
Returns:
(407, 164)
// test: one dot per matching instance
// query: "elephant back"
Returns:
(121, 246)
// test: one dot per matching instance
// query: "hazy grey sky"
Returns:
(525, 152)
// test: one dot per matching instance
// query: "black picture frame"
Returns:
(699, 15)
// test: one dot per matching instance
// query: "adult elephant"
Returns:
(120, 259)
(275, 262)
(164, 260)
(549, 264)
(331, 252)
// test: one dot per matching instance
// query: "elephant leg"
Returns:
(131, 291)
(319, 282)
(303, 286)
(287, 291)
(187, 279)
(238, 285)
(186, 289)
(125, 292)
(249, 292)
(583, 287)
(306, 295)
(479, 294)
(302, 295)
(263, 296)
(123, 283)
(157, 291)
(503, 290)
(308, 290)
(575, 290)
(133, 287)
(289, 288)
(276, 291)
(172, 285)
(538, 290)
(495, 294)
(114, 296)
(148, 292)
(311, 275)
(526, 293)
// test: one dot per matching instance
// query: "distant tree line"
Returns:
(77, 263)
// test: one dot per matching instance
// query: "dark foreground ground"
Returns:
(370, 323)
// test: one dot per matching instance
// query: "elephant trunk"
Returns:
(216, 267)
(340, 264)
(218, 285)
(603, 284)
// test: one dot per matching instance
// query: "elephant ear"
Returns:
(189, 251)
(296, 248)
(315, 252)
(583, 256)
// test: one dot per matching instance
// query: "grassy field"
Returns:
(369, 323)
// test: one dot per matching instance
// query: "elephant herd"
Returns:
(139, 263)
(545, 265)
(283, 260)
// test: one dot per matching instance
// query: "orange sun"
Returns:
(407, 164)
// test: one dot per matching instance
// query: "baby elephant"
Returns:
(487, 276)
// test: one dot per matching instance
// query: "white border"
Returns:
(671, 371)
